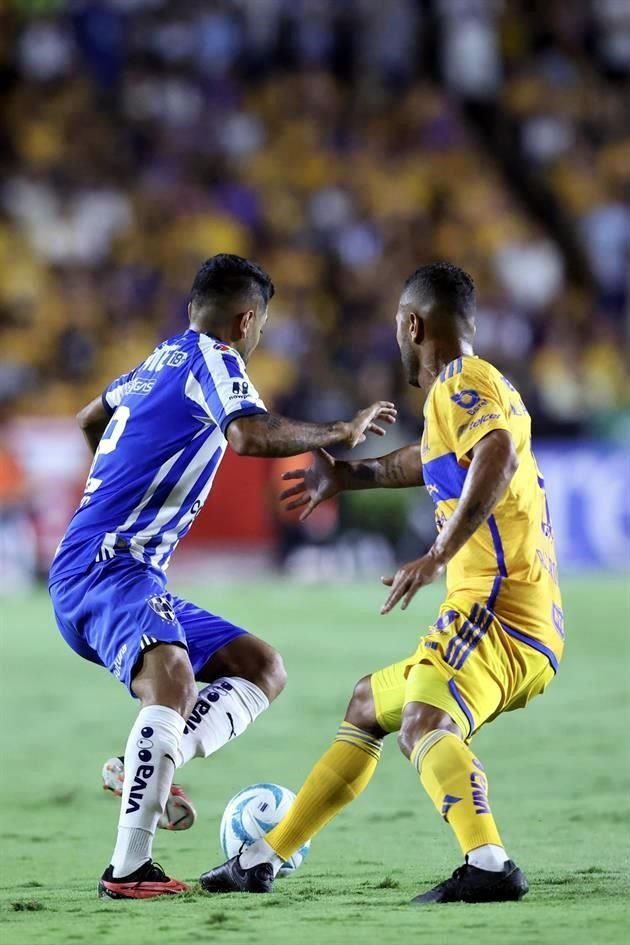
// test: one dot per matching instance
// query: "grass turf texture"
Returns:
(557, 775)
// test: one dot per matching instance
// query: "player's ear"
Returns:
(416, 328)
(245, 321)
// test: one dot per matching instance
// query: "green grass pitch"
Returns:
(558, 773)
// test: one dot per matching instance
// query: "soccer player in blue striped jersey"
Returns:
(158, 435)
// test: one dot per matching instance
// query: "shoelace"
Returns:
(154, 874)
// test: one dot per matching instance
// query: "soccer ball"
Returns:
(251, 814)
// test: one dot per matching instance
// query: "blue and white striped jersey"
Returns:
(156, 461)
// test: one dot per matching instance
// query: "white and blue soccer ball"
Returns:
(251, 814)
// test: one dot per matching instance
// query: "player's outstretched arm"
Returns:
(326, 476)
(93, 420)
(267, 434)
(494, 462)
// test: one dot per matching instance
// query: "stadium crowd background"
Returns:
(340, 145)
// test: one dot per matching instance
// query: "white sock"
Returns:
(150, 760)
(223, 710)
(260, 852)
(488, 857)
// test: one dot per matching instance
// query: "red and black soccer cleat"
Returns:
(147, 882)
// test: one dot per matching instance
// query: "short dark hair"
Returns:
(449, 286)
(225, 276)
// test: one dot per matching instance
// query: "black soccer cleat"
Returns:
(147, 882)
(470, 884)
(231, 877)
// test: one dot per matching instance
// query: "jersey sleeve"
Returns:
(113, 394)
(468, 405)
(226, 391)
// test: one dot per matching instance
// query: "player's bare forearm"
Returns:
(274, 436)
(270, 435)
(401, 469)
(494, 463)
(93, 420)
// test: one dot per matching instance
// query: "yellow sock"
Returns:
(338, 777)
(456, 783)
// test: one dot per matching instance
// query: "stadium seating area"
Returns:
(338, 144)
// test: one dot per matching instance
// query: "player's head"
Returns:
(437, 304)
(229, 299)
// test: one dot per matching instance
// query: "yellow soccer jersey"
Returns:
(509, 564)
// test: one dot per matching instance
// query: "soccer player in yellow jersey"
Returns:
(498, 637)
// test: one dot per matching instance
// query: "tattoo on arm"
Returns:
(400, 469)
(268, 434)
(271, 420)
(362, 473)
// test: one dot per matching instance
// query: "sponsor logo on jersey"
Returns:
(140, 385)
(486, 418)
(162, 606)
(469, 400)
(220, 347)
(165, 356)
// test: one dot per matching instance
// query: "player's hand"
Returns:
(409, 579)
(322, 480)
(365, 422)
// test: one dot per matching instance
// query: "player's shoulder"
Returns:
(218, 356)
(467, 382)
(467, 368)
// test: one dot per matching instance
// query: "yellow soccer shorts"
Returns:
(468, 666)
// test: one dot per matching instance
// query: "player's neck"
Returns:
(436, 355)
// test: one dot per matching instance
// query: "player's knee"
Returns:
(273, 675)
(361, 710)
(418, 720)
(166, 678)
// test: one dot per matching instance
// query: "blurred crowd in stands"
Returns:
(340, 144)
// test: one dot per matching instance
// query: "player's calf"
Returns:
(244, 677)
(179, 813)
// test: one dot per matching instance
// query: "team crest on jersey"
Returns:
(163, 607)
(469, 400)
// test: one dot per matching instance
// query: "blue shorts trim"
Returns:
(535, 644)
(457, 696)
(121, 607)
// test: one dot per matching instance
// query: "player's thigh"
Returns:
(460, 668)
(67, 602)
(219, 648)
(536, 674)
(388, 693)
(122, 611)
(248, 657)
